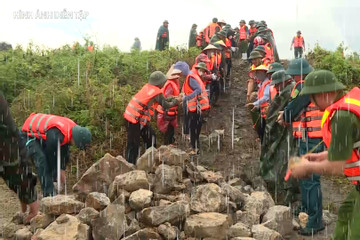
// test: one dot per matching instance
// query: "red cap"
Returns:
(202, 58)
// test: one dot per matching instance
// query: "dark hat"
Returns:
(255, 54)
(274, 67)
(279, 77)
(299, 66)
(260, 48)
(183, 67)
(214, 20)
(321, 81)
(298, 32)
(166, 21)
(157, 78)
(242, 21)
(201, 65)
(81, 136)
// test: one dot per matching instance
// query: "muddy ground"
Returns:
(240, 161)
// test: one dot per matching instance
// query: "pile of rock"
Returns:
(165, 196)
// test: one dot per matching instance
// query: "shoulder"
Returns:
(345, 117)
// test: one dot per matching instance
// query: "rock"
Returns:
(148, 161)
(328, 218)
(96, 200)
(41, 221)
(164, 202)
(101, 174)
(259, 184)
(10, 229)
(23, 234)
(131, 181)
(167, 231)
(194, 173)
(60, 204)
(170, 198)
(259, 202)
(248, 217)
(146, 233)
(37, 233)
(140, 199)
(234, 194)
(114, 193)
(66, 227)
(18, 218)
(248, 189)
(236, 182)
(111, 223)
(261, 232)
(88, 214)
(303, 218)
(207, 198)
(133, 227)
(279, 218)
(239, 230)
(173, 213)
(165, 179)
(242, 238)
(209, 224)
(296, 225)
(212, 177)
(188, 185)
(172, 156)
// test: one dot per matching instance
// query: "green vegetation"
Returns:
(47, 81)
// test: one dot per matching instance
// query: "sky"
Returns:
(117, 23)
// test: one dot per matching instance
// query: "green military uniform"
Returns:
(192, 36)
(14, 165)
(162, 40)
(340, 149)
(275, 148)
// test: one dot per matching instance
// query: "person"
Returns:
(273, 67)
(47, 133)
(200, 40)
(340, 127)
(259, 74)
(243, 37)
(162, 39)
(195, 102)
(256, 59)
(305, 119)
(275, 146)
(167, 120)
(299, 45)
(206, 77)
(221, 35)
(136, 45)
(139, 111)
(252, 31)
(192, 36)
(211, 29)
(214, 66)
(263, 36)
(15, 168)
(221, 24)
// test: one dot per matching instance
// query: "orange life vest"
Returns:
(309, 121)
(199, 102)
(138, 110)
(227, 50)
(269, 56)
(242, 33)
(273, 92)
(212, 29)
(206, 34)
(199, 39)
(37, 124)
(260, 95)
(252, 31)
(176, 91)
(215, 61)
(298, 41)
(349, 102)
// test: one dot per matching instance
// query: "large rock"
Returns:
(111, 223)
(133, 227)
(259, 202)
(146, 233)
(210, 224)
(166, 178)
(303, 218)
(101, 174)
(193, 173)
(10, 229)
(18, 218)
(167, 231)
(247, 217)
(173, 213)
(328, 218)
(88, 214)
(140, 199)
(261, 232)
(242, 238)
(207, 198)
(234, 194)
(279, 218)
(66, 227)
(172, 156)
(96, 200)
(23, 234)
(239, 230)
(41, 221)
(148, 161)
(212, 177)
(60, 204)
(131, 181)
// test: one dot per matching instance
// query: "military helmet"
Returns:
(321, 81)
(274, 67)
(299, 66)
(157, 78)
(243, 21)
(81, 136)
(166, 21)
(260, 48)
(201, 65)
(214, 20)
(279, 77)
(255, 54)
(251, 22)
(261, 29)
(221, 33)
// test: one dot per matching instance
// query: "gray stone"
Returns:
(131, 181)
(259, 202)
(140, 199)
(96, 200)
(41, 221)
(88, 214)
(23, 234)
(234, 194)
(133, 227)
(328, 218)
(148, 161)
(172, 156)
(207, 198)
(60, 204)
(261, 232)
(167, 231)
(279, 218)
(10, 229)
(248, 217)
(239, 230)
(146, 233)
(165, 179)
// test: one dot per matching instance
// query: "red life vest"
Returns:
(206, 34)
(260, 95)
(199, 102)
(176, 91)
(138, 110)
(227, 50)
(269, 55)
(212, 29)
(199, 39)
(252, 31)
(309, 120)
(273, 92)
(37, 124)
(298, 41)
(215, 61)
(349, 102)
(242, 33)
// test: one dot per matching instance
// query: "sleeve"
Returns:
(196, 90)
(345, 127)
(296, 105)
(53, 136)
(293, 39)
(166, 103)
(265, 98)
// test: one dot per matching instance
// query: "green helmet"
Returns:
(201, 65)
(243, 21)
(81, 136)
(279, 77)
(299, 66)
(214, 20)
(255, 54)
(321, 81)
(260, 48)
(251, 22)
(157, 78)
(274, 67)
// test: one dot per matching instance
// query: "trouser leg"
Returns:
(195, 129)
(148, 136)
(169, 135)
(133, 139)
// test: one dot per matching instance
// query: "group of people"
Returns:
(308, 125)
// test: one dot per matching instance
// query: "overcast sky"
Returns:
(327, 22)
